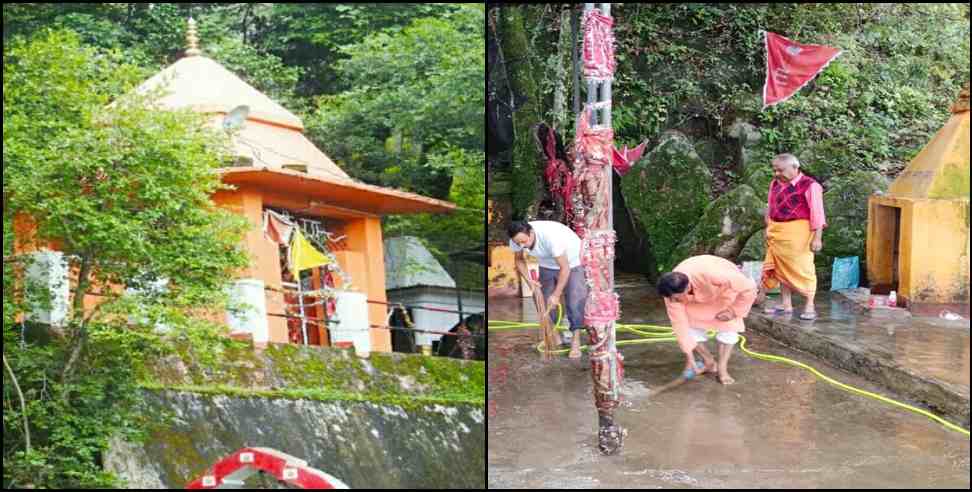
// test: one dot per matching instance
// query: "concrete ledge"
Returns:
(947, 400)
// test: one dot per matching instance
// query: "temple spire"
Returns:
(192, 39)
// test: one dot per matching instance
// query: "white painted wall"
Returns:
(253, 318)
(350, 321)
(472, 303)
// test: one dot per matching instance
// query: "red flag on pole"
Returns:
(624, 158)
(790, 66)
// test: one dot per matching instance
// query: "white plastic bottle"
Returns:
(892, 299)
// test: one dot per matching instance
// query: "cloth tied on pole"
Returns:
(598, 46)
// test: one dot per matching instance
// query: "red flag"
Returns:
(790, 66)
(625, 158)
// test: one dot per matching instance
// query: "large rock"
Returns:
(758, 173)
(711, 152)
(667, 193)
(746, 139)
(755, 248)
(755, 165)
(726, 226)
(845, 203)
(747, 134)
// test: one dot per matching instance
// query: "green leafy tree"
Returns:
(413, 118)
(125, 191)
(311, 35)
(461, 231)
(414, 93)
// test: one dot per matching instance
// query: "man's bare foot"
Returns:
(710, 366)
(575, 347)
(725, 378)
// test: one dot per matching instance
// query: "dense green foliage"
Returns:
(699, 69)
(412, 119)
(124, 192)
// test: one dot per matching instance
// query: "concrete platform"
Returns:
(923, 359)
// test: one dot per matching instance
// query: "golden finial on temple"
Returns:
(192, 39)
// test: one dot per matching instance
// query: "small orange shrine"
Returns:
(918, 234)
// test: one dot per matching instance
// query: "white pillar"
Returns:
(350, 321)
(48, 273)
(426, 320)
(252, 318)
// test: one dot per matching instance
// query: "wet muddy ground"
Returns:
(778, 426)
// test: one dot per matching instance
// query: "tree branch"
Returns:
(23, 406)
(84, 283)
(94, 311)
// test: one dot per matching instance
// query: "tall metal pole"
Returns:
(303, 315)
(575, 81)
(599, 237)
(609, 180)
(455, 269)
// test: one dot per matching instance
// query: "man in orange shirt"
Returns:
(707, 293)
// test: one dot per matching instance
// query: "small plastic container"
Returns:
(892, 299)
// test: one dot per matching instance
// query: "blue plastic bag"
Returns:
(846, 273)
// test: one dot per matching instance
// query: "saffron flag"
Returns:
(790, 66)
(303, 255)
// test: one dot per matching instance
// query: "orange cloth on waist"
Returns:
(789, 259)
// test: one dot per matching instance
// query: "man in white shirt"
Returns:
(558, 250)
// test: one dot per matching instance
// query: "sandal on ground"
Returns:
(777, 310)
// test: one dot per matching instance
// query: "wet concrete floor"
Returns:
(778, 426)
(931, 347)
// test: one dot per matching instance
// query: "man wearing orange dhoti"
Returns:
(707, 293)
(794, 232)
